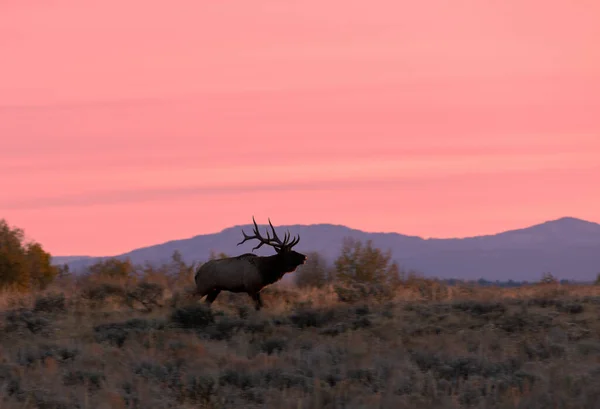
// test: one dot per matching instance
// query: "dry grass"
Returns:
(426, 346)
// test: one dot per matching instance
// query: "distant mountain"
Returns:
(68, 259)
(569, 248)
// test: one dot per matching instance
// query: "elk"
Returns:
(249, 273)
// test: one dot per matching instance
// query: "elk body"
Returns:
(249, 273)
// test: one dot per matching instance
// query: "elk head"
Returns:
(290, 258)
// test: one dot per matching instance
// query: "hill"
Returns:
(569, 248)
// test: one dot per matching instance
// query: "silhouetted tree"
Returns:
(23, 266)
(64, 271)
(112, 268)
(548, 278)
(364, 263)
(179, 269)
(214, 255)
(41, 271)
(315, 273)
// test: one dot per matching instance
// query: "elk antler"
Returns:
(274, 242)
(257, 236)
(285, 244)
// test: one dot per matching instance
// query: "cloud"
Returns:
(379, 186)
(109, 197)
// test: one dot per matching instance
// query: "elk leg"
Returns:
(257, 301)
(212, 295)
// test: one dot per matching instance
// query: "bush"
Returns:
(225, 328)
(267, 378)
(197, 316)
(272, 345)
(146, 293)
(118, 332)
(112, 268)
(589, 347)
(308, 317)
(353, 292)
(77, 377)
(50, 303)
(21, 319)
(570, 308)
(99, 292)
(198, 388)
(479, 307)
(31, 355)
(523, 321)
(548, 278)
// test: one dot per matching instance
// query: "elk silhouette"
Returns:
(249, 273)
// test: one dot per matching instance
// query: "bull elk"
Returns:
(249, 273)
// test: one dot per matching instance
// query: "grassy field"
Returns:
(111, 345)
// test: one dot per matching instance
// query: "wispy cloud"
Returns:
(140, 195)
(359, 177)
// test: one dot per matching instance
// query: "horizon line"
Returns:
(336, 225)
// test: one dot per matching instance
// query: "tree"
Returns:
(365, 264)
(41, 271)
(179, 269)
(64, 271)
(315, 273)
(13, 270)
(548, 278)
(23, 266)
(216, 256)
(113, 268)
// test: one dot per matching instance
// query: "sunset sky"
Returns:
(130, 123)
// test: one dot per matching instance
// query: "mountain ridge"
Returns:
(568, 247)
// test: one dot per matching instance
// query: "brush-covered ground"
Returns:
(111, 345)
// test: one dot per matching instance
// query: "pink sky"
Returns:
(125, 124)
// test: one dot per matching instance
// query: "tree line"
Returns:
(26, 266)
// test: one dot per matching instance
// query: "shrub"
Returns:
(479, 307)
(198, 388)
(77, 377)
(570, 308)
(272, 345)
(112, 268)
(309, 317)
(548, 278)
(225, 328)
(368, 377)
(267, 378)
(21, 319)
(118, 332)
(352, 292)
(589, 347)
(99, 292)
(522, 321)
(197, 316)
(50, 303)
(168, 374)
(30, 355)
(146, 293)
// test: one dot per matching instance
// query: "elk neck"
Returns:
(272, 268)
